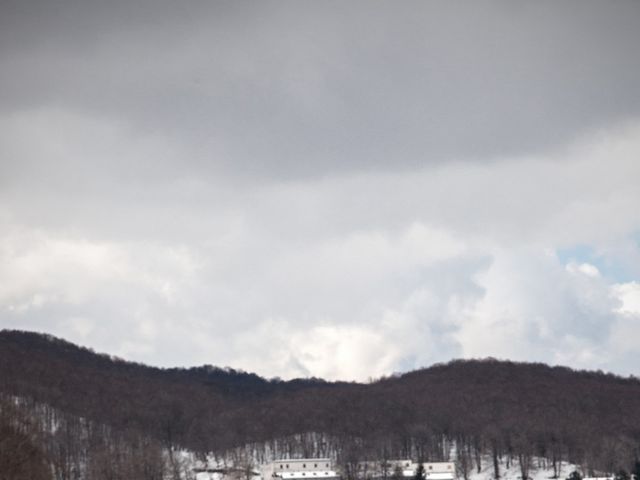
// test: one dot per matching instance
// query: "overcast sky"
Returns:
(335, 189)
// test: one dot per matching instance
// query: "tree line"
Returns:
(70, 406)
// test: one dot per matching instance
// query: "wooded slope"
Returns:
(484, 406)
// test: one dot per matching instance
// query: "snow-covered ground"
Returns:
(209, 476)
(540, 470)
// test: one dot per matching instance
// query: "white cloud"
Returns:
(629, 294)
(583, 269)
(364, 273)
(624, 336)
(537, 309)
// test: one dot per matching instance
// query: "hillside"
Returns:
(123, 394)
(482, 407)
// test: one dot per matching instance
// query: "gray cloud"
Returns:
(186, 183)
(295, 88)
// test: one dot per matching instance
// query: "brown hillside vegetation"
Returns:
(484, 407)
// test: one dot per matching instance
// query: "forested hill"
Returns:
(45, 358)
(484, 406)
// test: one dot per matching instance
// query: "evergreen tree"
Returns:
(575, 475)
(622, 474)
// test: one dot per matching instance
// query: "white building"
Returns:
(301, 469)
(438, 470)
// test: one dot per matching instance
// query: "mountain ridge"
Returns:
(206, 371)
(489, 406)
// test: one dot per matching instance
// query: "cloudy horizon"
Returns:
(334, 189)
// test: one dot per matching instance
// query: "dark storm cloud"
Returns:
(304, 88)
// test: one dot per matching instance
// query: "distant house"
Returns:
(439, 470)
(301, 469)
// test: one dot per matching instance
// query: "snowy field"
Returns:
(540, 470)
